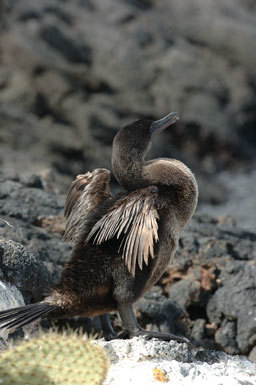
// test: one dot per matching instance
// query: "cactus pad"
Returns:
(53, 359)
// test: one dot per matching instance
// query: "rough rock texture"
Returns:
(71, 73)
(10, 297)
(207, 293)
(235, 302)
(239, 199)
(210, 287)
(79, 47)
(31, 228)
(23, 268)
(142, 362)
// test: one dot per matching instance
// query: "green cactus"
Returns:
(54, 359)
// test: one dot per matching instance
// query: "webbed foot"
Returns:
(126, 334)
(134, 329)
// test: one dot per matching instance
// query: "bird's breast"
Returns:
(168, 232)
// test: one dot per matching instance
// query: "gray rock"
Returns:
(225, 336)
(198, 331)
(23, 268)
(71, 73)
(157, 313)
(185, 292)
(73, 51)
(241, 187)
(58, 54)
(10, 297)
(252, 355)
(207, 293)
(236, 301)
(28, 217)
(26, 203)
(143, 362)
(215, 267)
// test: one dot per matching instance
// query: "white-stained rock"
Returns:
(10, 297)
(142, 362)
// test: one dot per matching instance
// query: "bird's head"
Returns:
(132, 143)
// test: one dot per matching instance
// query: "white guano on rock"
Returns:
(143, 362)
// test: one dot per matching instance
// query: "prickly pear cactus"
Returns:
(54, 359)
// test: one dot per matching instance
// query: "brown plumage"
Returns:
(123, 243)
(134, 217)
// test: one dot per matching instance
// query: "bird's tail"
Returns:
(23, 315)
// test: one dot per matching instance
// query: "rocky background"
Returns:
(73, 72)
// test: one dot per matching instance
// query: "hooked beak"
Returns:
(159, 125)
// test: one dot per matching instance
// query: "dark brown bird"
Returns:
(123, 243)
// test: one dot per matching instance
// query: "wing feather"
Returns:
(134, 220)
(87, 192)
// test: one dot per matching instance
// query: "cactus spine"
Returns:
(54, 359)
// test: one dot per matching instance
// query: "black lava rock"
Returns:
(208, 292)
(24, 269)
(233, 306)
(26, 203)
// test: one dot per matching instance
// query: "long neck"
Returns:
(174, 179)
(176, 183)
(127, 167)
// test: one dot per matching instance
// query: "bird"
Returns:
(122, 243)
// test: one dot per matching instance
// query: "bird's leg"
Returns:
(129, 320)
(134, 329)
(108, 332)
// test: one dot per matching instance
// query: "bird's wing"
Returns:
(133, 219)
(87, 192)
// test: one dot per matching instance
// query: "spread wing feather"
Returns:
(86, 193)
(135, 218)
